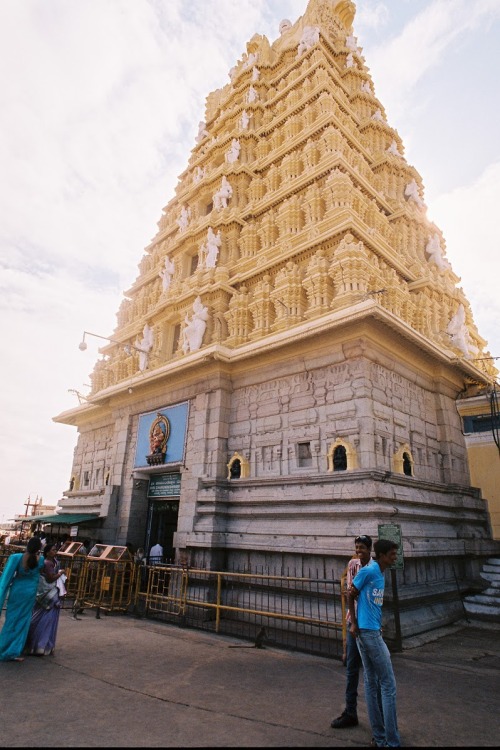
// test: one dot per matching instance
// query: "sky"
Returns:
(100, 105)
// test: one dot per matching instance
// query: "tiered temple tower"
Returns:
(299, 302)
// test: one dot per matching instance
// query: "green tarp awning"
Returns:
(68, 519)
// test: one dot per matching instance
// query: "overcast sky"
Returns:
(100, 104)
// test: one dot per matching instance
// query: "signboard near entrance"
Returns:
(164, 485)
(392, 532)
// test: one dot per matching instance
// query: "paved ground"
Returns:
(125, 682)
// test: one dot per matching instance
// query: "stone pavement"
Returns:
(125, 682)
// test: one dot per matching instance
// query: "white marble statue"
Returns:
(202, 132)
(435, 252)
(145, 345)
(285, 26)
(351, 43)
(245, 119)
(184, 218)
(233, 154)
(199, 174)
(393, 149)
(194, 328)
(249, 61)
(310, 37)
(349, 61)
(459, 333)
(166, 273)
(210, 250)
(252, 95)
(223, 195)
(378, 116)
(366, 87)
(255, 74)
(412, 193)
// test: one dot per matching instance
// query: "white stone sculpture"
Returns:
(250, 60)
(210, 250)
(411, 192)
(285, 26)
(199, 174)
(378, 116)
(366, 87)
(194, 328)
(351, 43)
(145, 345)
(245, 119)
(393, 149)
(223, 195)
(310, 37)
(166, 273)
(459, 333)
(255, 74)
(252, 95)
(233, 154)
(435, 252)
(183, 219)
(202, 132)
(349, 61)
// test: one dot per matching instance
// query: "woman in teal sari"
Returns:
(20, 581)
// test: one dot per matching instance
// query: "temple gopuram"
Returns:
(285, 368)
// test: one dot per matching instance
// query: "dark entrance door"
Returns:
(162, 525)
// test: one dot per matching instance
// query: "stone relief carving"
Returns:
(145, 345)
(166, 273)
(209, 251)
(222, 195)
(310, 37)
(233, 154)
(194, 328)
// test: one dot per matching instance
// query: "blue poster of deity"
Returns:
(161, 436)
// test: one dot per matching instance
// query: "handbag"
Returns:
(46, 593)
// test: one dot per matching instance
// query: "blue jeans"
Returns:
(353, 664)
(380, 688)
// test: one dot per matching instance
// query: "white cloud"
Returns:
(468, 218)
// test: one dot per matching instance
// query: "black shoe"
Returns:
(345, 720)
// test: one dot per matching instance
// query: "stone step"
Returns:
(490, 576)
(484, 598)
(491, 568)
(482, 609)
(493, 561)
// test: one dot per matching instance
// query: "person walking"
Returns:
(19, 581)
(42, 632)
(349, 717)
(366, 626)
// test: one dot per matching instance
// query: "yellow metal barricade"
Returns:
(73, 561)
(167, 590)
(108, 580)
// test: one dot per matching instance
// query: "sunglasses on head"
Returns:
(363, 539)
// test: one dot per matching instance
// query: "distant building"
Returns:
(481, 426)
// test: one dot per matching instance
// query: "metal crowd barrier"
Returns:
(295, 612)
(107, 581)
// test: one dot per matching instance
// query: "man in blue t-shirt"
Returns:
(366, 627)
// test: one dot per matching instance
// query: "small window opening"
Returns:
(340, 458)
(304, 454)
(236, 469)
(407, 469)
